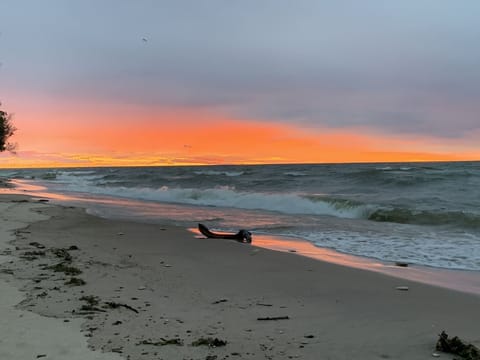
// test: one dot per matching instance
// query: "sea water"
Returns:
(421, 213)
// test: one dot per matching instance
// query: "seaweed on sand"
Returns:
(66, 269)
(91, 299)
(91, 303)
(162, 342)
(114, 305)
(74, 281)
(210, 342)
(62, 253)
(456, 346)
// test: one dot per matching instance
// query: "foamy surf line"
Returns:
(226, 196)
(204, 189)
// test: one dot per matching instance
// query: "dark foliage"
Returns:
(6, 130)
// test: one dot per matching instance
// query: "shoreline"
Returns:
(186, 289)
(455, 279)
(467, 281)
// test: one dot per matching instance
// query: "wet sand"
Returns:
(154, 292)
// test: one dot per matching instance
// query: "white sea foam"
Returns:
(423, 248)
(224, 196)
(389, 168)
(79, 172)
(77, 178)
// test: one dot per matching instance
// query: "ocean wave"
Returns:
(390, 168)
(287, 203)
(76, 177)
(295, 173)
(48, 176)
(422, 217)
(79, 172)
(228, 196)
(216, 173)
(395, 177)
(225, 196)
(336, 202)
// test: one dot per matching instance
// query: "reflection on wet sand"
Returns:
(466, 281)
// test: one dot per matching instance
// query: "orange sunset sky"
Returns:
(98, 135)
(165, 84)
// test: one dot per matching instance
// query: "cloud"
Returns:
(405, 67)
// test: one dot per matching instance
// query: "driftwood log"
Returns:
(241, 236)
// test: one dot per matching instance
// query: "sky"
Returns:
(176, 82)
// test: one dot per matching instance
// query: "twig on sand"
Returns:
(115, 305)
(273, 318)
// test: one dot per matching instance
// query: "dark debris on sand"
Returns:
(210, 342)
(457, 347)
(74, 281)
(162, 342)
(66, 269)
(114, 305)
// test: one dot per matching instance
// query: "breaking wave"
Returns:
(422, 217)
(227, 197)
(292, 203)
(425, 194)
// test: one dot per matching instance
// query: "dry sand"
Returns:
(165, 286)
(24, 334)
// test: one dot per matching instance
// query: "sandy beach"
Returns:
(75, 286)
